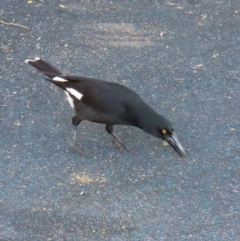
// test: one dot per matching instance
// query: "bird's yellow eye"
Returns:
(164, 132)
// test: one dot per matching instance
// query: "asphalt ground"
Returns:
(182, 58)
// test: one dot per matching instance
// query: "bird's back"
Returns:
(110, 101)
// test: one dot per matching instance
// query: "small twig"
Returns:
(3, 105)
(14, 24)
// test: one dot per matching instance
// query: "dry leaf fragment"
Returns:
(163, 34)
(165, 143)
(170, 4)
(62, 6)
(215, 56)
(198, 66)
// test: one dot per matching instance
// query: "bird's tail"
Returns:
(44, 67)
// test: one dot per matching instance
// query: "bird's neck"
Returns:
(147, 118)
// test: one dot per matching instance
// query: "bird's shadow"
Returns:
(84, 152)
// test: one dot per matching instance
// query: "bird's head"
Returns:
(163, 129)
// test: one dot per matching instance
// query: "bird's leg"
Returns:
(74, 133)
(109, 129)
(75, 121)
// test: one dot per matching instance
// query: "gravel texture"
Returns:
(181, 57)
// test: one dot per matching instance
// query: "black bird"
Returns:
(108, 103)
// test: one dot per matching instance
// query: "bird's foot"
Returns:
(122, 144)
(118, 139)
(77, 148)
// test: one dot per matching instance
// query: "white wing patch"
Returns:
(70, 99)
(75, 93)
(58, 79)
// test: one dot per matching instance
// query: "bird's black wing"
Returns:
(101, 95)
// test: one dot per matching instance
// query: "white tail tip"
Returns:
(30, 60)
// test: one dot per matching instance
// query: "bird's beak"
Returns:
(175, 144)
